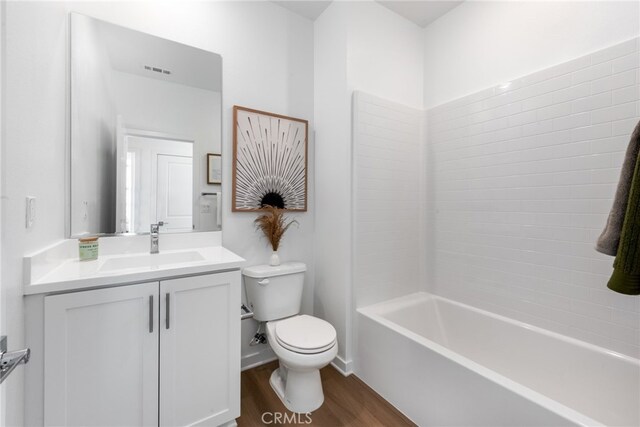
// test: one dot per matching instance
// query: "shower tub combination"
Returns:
(443, 363)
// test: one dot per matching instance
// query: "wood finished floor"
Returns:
(347, 402)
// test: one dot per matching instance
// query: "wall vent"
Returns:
(156, 69)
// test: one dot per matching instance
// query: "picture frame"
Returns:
(270, 159)
(214, 168)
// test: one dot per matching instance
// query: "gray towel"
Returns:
(610, 238)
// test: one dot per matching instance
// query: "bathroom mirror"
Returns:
(145, 117)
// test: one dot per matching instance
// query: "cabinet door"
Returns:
(200, 350)
(101, 357)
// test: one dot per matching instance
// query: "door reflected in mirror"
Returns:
(167, 195)
(145, 116)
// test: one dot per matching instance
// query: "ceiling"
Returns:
(310, 9)
(420, 12)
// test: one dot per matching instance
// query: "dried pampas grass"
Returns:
(273, 224)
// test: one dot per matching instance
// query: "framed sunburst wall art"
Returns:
(269, 161)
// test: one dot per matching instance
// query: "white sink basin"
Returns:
(151, 260)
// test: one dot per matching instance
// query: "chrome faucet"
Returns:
(155, 236)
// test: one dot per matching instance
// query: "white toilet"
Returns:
(303, 343)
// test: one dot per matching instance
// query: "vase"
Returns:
(275, 259)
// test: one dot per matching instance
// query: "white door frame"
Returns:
(3, 400)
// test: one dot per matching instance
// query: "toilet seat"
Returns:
(305, 334)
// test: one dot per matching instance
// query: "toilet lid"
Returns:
(305, 334)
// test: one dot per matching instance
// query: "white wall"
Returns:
(333, 164)
(269, 67)
(483, 43)
(358, 46)
(522, 183)
(384, 54)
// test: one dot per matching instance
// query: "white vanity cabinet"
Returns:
(200, 350)
(101, 357)
(161, 353)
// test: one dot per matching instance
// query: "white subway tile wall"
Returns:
(521, 181)
(387, 145)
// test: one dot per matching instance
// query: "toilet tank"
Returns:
(274, 292)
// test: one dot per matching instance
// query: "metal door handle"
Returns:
(150, 314)
(10, 359)
(168, 310)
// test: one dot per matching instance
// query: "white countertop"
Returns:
(47, 273)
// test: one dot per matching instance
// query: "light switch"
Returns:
(31, 211)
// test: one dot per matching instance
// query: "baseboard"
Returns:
(256, 359)
(343, 366)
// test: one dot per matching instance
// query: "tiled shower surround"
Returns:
(388, 199)
(520, 182)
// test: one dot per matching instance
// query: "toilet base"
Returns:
(300, 392)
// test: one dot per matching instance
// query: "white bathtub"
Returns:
(445, 363)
